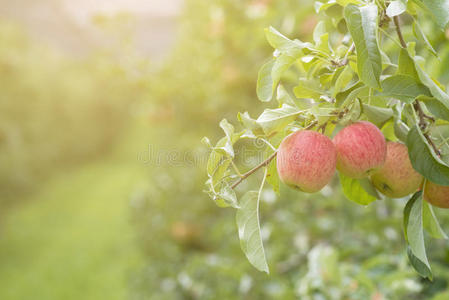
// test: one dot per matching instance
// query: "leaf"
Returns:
(439, 10)
(247, 121)
(431, 224)
(205, 141)
(414, 235)
(343, 80)
(377, 115)
(436, 108)
(272, 176)
(401, 130)
(280, 42)
(403, 87)
(419, 34)
(396, 8)
(282, 63)
(273, 120)
(308, 89)
(362, 24)
(440, 137)
(435, 90)
(215, 157)
(228, 129)
(227, 194)
(354, 191)
(406, 65)
(264, 86)
(424, 160)
(418, 265)
(247, 218)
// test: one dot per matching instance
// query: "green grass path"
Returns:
(73, 238)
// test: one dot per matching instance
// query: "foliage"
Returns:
(324, 85)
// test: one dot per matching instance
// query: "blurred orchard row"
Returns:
(321, 246)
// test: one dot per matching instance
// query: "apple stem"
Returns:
(250, 172)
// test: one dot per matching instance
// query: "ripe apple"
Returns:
(361, 149)
(437, 195)
(306, 160)
(396, 178)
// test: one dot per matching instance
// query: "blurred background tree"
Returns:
(102, 166)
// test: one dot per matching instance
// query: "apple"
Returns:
(396, 178)
(361, 149)
(306, 160)
(437, 195)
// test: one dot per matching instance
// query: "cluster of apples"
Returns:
(307, 160)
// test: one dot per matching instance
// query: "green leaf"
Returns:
(354, 191)
(396, 7)
(272, 175)
(377, 115)
(403, 87)
(308, 89)
(414, 234)
(439, 10)
(436, 108)
(280, 42)
(430, 222)
(406, 65)
(418, 265)
(424, 160)
(362, 24)
(440, 137)
(273, 120)
(228, 129)
(282, 63)
(419, 34)
(264, 86)
(247, 218)
(435, 90)
(347, 96)
(343, 80)
(401, 130)
(247, 121)
(205, 141)
(270, 74)
(227, 194)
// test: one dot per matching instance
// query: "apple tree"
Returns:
(357, 100)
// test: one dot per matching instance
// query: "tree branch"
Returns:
(345, 60)
(399, 32)
(416, 105)
(423, 124)
(250, 172)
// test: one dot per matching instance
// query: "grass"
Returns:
(73, 238)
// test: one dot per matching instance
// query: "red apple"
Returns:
(361, 149)
(437, 195)
(306, 160)
(396, 178)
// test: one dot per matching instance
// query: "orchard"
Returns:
(356, 101)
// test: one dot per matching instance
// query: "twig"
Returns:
(262, 164)
(322, 127)
(416, 105)
(399, 32)
(345, 59)
(423, 124)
